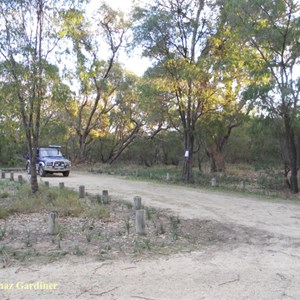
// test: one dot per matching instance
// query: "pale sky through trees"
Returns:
(133, 61)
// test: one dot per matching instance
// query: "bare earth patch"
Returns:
(199, 245)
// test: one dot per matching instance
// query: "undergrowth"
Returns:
(238, 178)
(64, 201)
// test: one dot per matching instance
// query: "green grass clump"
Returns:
(64, 201)
(4, 195)
(4, 213)
(99, 211)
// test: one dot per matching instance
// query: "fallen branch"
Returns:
(24, 269)
(95, 294)
(85, 291)
(104, 264)
(128, 268)
(231, 281)
(145, 298)
(100, 294)
(282, 277)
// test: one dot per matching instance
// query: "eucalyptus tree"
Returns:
(126, 118)
(28, 38)
(175, 35)
(272, 28)
(201, 73)
(236, 68)
(95, 74)
(11, 127)
(130, 119)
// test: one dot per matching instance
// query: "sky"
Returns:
(134, 62)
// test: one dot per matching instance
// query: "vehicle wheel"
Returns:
(28, 168)
(66, 174)
(42, 172)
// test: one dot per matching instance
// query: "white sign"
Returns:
(186, 154)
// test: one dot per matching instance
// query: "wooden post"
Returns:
(52, 223)
(61, 185)
(11, 176)
(81, 191)
(104, 197)
(242, 185)
(47, 183)
(20, 179)
(168, 177)
(213, 181)
(140, 222)
(137, 202)
(3, 175)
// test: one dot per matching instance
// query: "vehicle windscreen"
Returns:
(50, 152)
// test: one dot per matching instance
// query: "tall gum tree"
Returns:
(236, 67)
(27, 40)
(174, 34)
(272, 28)
(126, 119)
(96, 43)
(12, 142)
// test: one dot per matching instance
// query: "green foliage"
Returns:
(201, 73)
(175, 221)
(165, 148)
(77, 251)
(259, 141)
(29, 81)
(99, 211)
(212, 65)
(4, 213)
(127, 225)
(272, 29)
(95, 109)
(2, 232)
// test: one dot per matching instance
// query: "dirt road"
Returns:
(267, 267)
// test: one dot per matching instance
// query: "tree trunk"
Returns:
(123, 144)
(33, 177)
(187, 172)
(82, 148)
(292, 153)
(216, 157)
(32, 151)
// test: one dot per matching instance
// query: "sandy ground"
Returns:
(266, 269)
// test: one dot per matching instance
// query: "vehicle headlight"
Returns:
(49, 163)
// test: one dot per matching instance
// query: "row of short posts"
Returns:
(61, 185)
(104, 196)
(52, 216)
(81, 192)
(11, 177)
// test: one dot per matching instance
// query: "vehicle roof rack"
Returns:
(54, 146)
